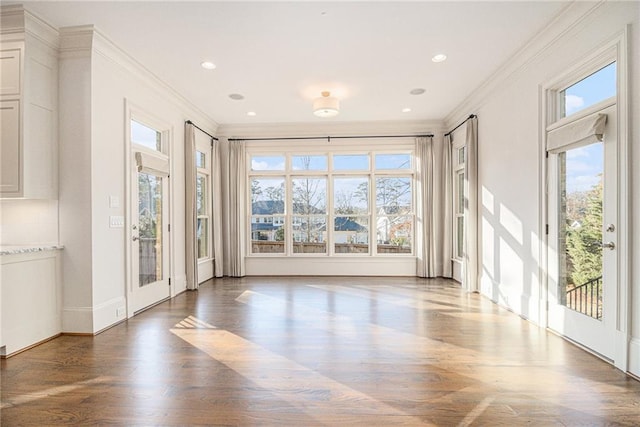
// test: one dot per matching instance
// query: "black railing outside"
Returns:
(587, 298)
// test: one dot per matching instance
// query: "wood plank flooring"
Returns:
(318, 351)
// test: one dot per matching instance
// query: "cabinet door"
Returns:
(10, 144)
(10, 75)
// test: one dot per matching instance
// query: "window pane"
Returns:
(309, 163)
(351, 162)
(309, 195)
(201, 195)
(309, 234)
(267, 235)
(200, 160)
(460, 193)
(203, 237)
(351, 195)
(394, 234)
(462, 152)
(267, 196)
(149, 228)
(581, 224)
(267, 163)
(589, 91)
(393, 195)
(145, 136)
(459, 236)
(351, 234)
(393, 161)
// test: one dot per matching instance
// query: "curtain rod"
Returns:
(329, 138)
(472, 116)
(201, 130)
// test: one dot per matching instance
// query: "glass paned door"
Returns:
(149, 239)
(582, 203)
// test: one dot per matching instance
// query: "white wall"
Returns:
(26, 222)
(508, 108)
(113, 81)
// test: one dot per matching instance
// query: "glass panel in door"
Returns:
(150, 229)
(580, 229)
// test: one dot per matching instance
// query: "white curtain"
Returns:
(236, 232)
(471, 253)
(433, 225)
(445, 227)
(217, 212)
(191, 243)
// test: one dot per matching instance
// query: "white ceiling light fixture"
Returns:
(326, 105)
(439, 57)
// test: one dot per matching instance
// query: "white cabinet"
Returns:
(10, 147)
(28, 107)
(30, 299)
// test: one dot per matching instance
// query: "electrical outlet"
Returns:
(120, 312)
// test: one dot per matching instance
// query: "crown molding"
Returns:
(311, 129)
(565, 21)
(88, 40)
(16, 22)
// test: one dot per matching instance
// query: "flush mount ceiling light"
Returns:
(417, 91)
(236, 97)
(326, 105)
(439, 57)
(208, 65)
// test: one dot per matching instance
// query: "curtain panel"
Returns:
(236, 191)
(217, 209)
(191, 243)
(434, 221)
(471, 252)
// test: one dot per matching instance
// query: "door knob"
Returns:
(135, 238)
(608, 245)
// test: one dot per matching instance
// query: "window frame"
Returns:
(204, 147)
(458, 169)
(289, 151)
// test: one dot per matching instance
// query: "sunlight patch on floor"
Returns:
(285, 378)
(49, 392)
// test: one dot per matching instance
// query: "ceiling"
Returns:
(281, 55)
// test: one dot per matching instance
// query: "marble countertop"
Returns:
(25, 249)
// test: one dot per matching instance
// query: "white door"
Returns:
(582, 214)
(150, 266)
(149, 217)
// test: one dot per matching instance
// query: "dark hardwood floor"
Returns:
(318, 351)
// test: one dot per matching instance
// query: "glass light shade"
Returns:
(326, 106)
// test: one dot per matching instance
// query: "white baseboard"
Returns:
(634, 356)
(109, 313)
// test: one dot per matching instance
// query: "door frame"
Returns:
(133, 112)
(614, 49)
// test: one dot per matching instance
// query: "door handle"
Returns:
(608, 245)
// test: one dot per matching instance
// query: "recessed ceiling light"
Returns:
(417, 91)
(236, 97)
(439, 57)
(406, 110)
(251, 113)
(207, 65)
